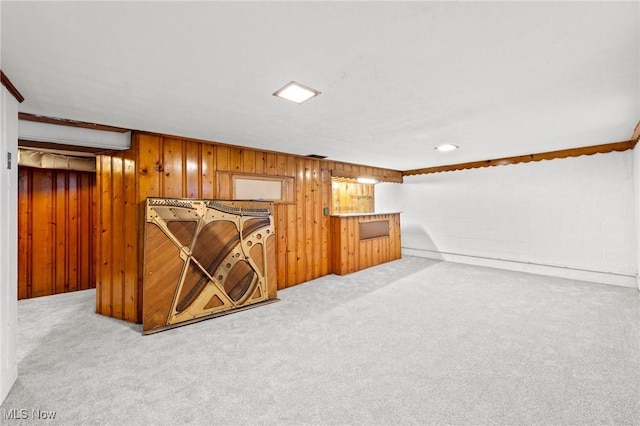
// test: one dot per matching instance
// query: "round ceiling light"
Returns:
(447, 147)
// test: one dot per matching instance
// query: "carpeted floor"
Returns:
(414, 341)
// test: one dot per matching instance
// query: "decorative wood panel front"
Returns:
(205, 257)
(55, 231)
(353, 250)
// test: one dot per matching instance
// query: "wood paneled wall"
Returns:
(349, 196)
(351, 253)
(55, 231)
(164, 166)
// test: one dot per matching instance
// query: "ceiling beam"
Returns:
(551, 155)
(71, 123)
(10, 87)
(636, 133)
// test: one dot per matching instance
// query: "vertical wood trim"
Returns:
(325, 188)
(24, 233)
(54, 234)
(149, 162)
(222, 158)
(97, 236)
(307, 257)
(118, 251)
(130, 222)
(235, 159)
(106, 238)
(42, 235)
(71, 247)
(208, 171)
(270, 164)
(316, 220)
(94, 221)
(280, 220)
(301, 240)
(60, 215)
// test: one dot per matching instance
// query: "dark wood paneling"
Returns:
(163, 166)
(55, 231)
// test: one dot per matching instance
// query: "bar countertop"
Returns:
(361, 214)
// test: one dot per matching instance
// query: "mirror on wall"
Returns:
(350, 196)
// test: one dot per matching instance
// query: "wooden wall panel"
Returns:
(117, 214)
(55, 231)
(163, 166)
(349, 196)
(25, 183)
(351, 254)
(87, 228)
(131, 293)
(104, 243)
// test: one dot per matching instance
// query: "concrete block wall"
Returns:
(636, 192)
(573, 217)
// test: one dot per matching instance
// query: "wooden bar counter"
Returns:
(361, 240)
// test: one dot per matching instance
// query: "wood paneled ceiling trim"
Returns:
(71, 123)
(381, 175)
(551, 155)
(10, 87)
(636, 133)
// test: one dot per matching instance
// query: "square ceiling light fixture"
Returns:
(296, 92)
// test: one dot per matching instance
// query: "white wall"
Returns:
(636, 181)
(8, 242)
(573, 218)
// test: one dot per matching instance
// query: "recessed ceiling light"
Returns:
(365, 180)
(447, 147)
(296, 92)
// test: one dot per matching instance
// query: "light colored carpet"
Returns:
(414, 341)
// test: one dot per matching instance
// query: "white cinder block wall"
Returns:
(572, 218)
(636, 180)
(8, 242)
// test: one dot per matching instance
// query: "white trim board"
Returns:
(510, 265)
(78, 136)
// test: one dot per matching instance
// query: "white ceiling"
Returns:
(397, 79)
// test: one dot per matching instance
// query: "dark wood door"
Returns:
(55, 231)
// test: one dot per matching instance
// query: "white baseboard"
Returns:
(549, 270)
